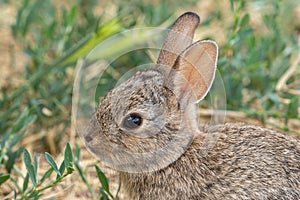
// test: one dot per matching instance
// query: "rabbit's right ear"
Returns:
(178, 38)
(194, 71)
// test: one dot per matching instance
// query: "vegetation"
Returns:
(258, 62)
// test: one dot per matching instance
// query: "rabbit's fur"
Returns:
(247, 162)
(168, 155)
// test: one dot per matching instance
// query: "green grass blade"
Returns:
(103, 32)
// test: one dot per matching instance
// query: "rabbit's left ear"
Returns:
(194, 71)
(179, 37)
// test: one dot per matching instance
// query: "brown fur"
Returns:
(247, 162)
(168, 156)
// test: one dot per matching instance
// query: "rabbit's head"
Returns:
(148, 121)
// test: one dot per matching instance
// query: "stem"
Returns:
(37, 191)
(53, 183)
(18, 171)
(16, 184)
(119, 187)
(112, 197)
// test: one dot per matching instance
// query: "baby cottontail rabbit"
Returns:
(146, 128)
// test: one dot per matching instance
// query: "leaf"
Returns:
(292, 110)
(245, 20)
(24, 120)
(77, 152)
(52, 163)
(35, 165)
(15, 194)
(46, 175)
(29, 167)
(72, 15)
(12, 156)
(103, 179)
(119, 187)
(68, 156)
(232, 5)
(25, 184)
(61, 168)
(80, 170)
(4, 178)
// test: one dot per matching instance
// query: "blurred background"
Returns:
(41, 41)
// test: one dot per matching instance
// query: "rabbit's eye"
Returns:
(132, 121)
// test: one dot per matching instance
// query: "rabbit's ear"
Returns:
(178, 38)
(194, 71)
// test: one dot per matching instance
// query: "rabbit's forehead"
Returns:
(139, 93)
(146, 80)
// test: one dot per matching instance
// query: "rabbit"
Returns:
(146, 129)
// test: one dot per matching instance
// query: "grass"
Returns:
(258, 62)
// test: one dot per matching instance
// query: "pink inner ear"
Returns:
(196, 70)
(194, 82)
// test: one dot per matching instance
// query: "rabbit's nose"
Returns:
(88, 138)
(91, 131)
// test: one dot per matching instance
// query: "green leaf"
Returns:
(25, 184)
(70, 169)
(103, 180)
(68, 156)
(24, 120)
(61, 168)
(245, 20)
(80, 170)
(47, 174)
(119, 187)
(52, 163)
(29, 167)
(15, 194)
(27, 158)
(4, 178)
(12, 156)
(77, 152)
(232, 5)
(292, 110)
(35, 165)
(72, 15)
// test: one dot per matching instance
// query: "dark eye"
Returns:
(132, 121)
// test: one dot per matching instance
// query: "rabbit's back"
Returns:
(231, 161)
